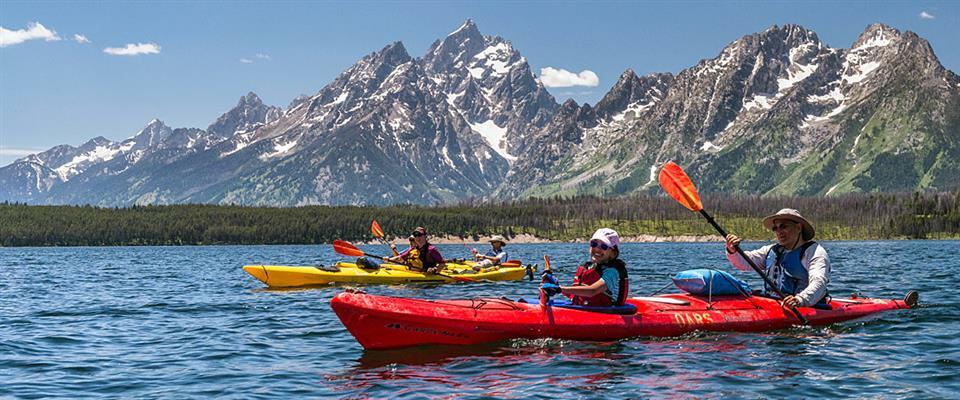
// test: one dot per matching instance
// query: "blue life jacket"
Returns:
(786, 270)
(494, 253)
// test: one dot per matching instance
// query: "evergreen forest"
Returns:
(920, 215)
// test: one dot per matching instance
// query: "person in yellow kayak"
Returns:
(798, 265)
(421, 256)
(600, 282)
(496, 256)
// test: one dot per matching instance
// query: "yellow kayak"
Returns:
(344, 272)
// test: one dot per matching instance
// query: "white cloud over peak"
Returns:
(246, 61)
(133, 49)
(263, 56)
(35, 30)
(552, 77)
(926, 15)
(80, 38)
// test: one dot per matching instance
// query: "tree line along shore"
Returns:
(926, 215)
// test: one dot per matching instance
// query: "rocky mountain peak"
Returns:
(153, 128)
(151, 135)
(249, 114)
(393, 54)
(97, 141)
(633, 93)
(456, 49)
(250, 100)
(877, 35)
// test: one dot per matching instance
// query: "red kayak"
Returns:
(380, 322)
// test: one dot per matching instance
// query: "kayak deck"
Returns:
(343, 272)
(379, 322)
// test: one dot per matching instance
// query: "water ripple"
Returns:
(187, 322)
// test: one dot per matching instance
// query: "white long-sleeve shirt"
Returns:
(815, 260)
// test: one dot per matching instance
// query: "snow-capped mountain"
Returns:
(67, 174)
(774, 112)
(390, 129)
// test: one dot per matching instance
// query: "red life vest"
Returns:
(587, 276)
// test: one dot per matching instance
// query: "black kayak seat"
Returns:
(626, 309)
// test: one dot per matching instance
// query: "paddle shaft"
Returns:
(456, 278)
(766, 279)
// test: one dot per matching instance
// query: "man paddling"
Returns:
(421, 255)
(798, 265)
(496, 256)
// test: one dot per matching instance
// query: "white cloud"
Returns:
(133, 49)
(35, 30)
(15, 152)
(551, 77)
(926, 15)
(255, 58)
(80, 38)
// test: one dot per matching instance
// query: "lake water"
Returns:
(187, 322)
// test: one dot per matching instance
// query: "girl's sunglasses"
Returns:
(597, 243)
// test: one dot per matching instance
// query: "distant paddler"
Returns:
(798, 265)
(493, 257)
(421, 256)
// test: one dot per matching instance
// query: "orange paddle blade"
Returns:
(546, 263)
(346, 248)
(678, 185)
(375, 229)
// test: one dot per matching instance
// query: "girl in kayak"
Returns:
(421, 255)
(797, 264)
(600, 282)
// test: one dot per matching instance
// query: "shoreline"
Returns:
(526, 238)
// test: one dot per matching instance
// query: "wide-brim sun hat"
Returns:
(498, 238)
(806, 229)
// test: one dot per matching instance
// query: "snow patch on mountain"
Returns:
(279, 149)
(495, 136)
(496, 57)
(710, 147)
(761, 101)
(636, 108)
(98, 154)
(878, 40)
(863, 70)
(802, 72)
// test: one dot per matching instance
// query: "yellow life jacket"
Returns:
(413, 260)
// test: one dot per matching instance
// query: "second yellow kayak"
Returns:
(343, 272)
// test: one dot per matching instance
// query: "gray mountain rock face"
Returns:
(249, 114)
(774, 112)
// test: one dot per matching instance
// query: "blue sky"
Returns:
(202, 56)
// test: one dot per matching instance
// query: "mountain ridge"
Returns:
(775, 112)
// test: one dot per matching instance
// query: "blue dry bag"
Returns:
(707, 281)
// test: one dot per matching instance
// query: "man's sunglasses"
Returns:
(597, 243)
(781, 226)
(416, 234)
